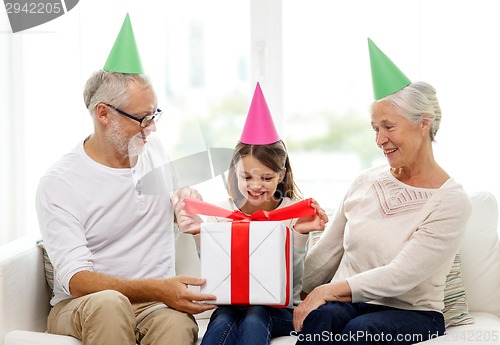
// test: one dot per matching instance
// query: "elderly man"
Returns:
(112, 245)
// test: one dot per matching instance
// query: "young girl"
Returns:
(259, 178)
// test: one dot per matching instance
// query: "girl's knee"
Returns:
(256, 317)
(225, 314)
(257, 312)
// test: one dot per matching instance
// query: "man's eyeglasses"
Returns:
(144, 121)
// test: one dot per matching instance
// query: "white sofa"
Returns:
(24, 296)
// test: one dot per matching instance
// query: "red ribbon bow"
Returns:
(299, 209)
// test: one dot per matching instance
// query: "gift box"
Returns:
(249, 260)
(247, 263)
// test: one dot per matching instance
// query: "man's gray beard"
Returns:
(116, 138)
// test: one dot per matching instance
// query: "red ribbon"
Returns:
(299, 209)
(240, 263)
(240, 248)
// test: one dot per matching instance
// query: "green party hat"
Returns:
(124, 56)
(387, 78)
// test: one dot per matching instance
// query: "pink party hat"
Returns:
(259, 126)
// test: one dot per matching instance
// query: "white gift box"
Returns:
(249, 266)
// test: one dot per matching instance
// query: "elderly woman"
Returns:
(378, 273)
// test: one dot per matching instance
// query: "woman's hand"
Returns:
(313, 301)
(339, 291)
(315, 222)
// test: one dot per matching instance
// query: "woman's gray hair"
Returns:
(416, 102)
(109, 87)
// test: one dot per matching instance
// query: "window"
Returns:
(204, 57)
(327, 85)
(196, 52)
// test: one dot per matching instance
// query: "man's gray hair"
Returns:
(109, 87)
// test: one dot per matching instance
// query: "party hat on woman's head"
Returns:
(387, 78)
(259, 126)
(124, 56)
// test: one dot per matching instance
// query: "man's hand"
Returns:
(175, 293)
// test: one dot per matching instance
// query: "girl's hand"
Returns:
(188, 223)
(315, 222)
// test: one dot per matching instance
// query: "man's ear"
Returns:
(102, 113)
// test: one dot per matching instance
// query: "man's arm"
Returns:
(172, 291)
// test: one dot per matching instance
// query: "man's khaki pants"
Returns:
(108, 318)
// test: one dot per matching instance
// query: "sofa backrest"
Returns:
(187, 261)
(480, 255)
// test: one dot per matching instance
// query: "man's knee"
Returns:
(168, 325)
(99, 318)
(109, 307)
(110, 299)
(184, 321)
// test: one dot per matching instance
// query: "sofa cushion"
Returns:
(20, 337)
(484, 331)
(456, 311)
(47, 265)
(480, 255)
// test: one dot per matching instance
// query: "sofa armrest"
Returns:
(24, 294)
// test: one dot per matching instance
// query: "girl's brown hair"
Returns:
(275, 157)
